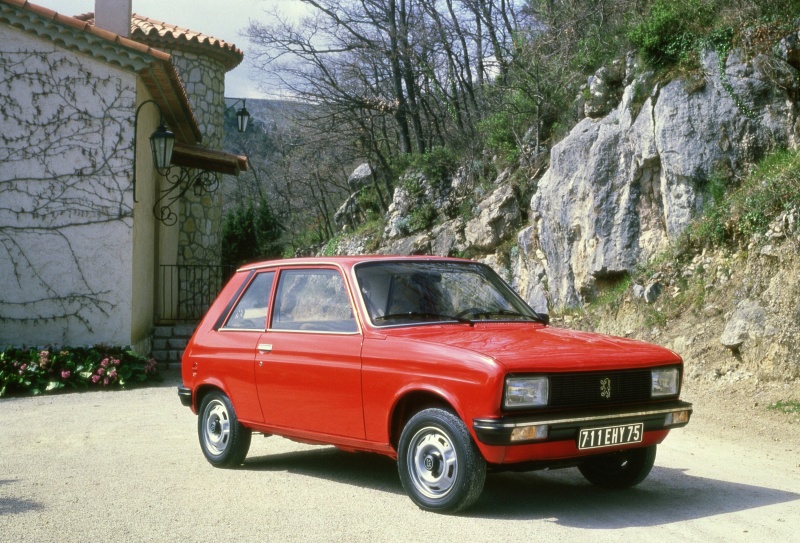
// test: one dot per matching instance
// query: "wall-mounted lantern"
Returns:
(242, 115)
(161, 143)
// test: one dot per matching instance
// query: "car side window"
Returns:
(250, 312)
(313, 300)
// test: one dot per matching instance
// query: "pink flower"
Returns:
(23, 367)
(112, 374)
(44, 357)
(101, 371)
(95, 378)
(114, 361)
(104, 363)
(105, 381)
(65, 374)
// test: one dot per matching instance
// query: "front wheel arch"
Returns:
(409, 405)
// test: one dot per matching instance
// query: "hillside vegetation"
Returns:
(629, 166)
(478, 84)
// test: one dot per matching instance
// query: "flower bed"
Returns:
(36, 371)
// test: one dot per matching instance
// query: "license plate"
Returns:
(594, 438)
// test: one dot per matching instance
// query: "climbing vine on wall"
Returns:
(66, 152)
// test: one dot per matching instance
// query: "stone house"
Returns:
(97, 245)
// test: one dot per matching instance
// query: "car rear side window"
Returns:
(313, 300)
(250, 312)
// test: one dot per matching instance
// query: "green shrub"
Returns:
(672, 31)
(250, 233)
(422, 217)
(739, 213)
(437, 164)
(36, 371)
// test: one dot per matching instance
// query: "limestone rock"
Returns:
(347, 211)
(496, 216)
(361, 177)
(418, 244)
(495, 262)
(528, 272)
(652, 292)
(447, 237)
(398, 214)
(748, 321)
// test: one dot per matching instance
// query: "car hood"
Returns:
(534, 347)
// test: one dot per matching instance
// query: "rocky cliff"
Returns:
(622, 186)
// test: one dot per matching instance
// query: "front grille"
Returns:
(599, 388)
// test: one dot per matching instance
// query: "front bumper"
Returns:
(185, 395)
(566, 425)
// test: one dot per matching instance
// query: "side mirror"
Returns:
(544, 317)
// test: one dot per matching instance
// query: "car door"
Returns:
(227, 353)
(308, 363)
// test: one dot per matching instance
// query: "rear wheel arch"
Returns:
(204, 390)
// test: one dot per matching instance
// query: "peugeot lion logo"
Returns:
(605, 388)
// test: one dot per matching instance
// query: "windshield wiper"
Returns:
(437, 317)
(506, 313)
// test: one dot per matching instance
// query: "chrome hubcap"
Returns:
(217, 428)
(432, 463)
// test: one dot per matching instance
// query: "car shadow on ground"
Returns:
(10, 505)
(358, 469)
(667, 496)
(563, 496)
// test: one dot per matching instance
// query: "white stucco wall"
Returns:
(66, 132)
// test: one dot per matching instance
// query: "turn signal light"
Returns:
(527, 433)
(679, 417)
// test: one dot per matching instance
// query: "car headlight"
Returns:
(526, 392)
(665, 382)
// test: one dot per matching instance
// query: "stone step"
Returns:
(169, 342)
(172, 331)
(168, 359)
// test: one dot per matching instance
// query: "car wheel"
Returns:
(440, 467)
(224, 440)
(623, 469)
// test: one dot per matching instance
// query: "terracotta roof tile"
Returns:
(159, 33)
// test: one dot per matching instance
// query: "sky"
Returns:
(223, 19)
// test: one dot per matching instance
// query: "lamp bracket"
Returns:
(179, 181)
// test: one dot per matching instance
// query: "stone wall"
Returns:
(201, 215)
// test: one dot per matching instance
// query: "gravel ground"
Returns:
(126, 466)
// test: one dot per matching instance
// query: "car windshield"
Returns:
(413, 292)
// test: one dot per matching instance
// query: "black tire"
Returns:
(223, 439)
(440, 467)
(623, 469)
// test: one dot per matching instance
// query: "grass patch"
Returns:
(612, 294)
(788, 407)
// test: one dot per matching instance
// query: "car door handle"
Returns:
(264, 348)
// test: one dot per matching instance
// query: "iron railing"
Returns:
(185, 292)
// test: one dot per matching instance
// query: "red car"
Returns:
(433, 361)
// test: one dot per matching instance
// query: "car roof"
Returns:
(346, 261)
